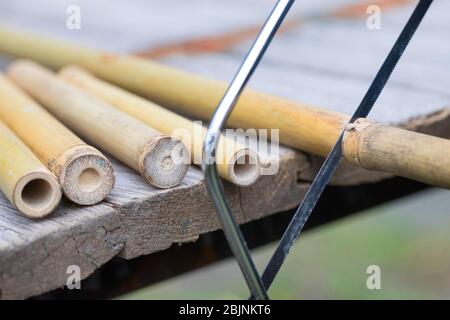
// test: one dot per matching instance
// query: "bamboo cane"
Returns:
(128, 139)
(85, 175)
(235, 162)
(301, 126)
(24, 180)
(366, 148)
(409, 154)
(186, 92)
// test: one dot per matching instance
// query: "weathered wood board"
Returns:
(327, 61)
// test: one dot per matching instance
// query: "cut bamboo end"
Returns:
(24, 180)
(85, 175)
(164, 162)
(244, 167)
(37, 194)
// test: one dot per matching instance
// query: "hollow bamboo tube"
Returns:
(85, 175)
(126, 138)
(301, 126)
(409, 154)
(24, 180)
(236, 163)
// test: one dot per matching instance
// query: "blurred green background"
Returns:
(406, 238)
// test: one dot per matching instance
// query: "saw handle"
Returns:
(401, 152)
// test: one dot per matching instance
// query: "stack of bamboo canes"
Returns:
(129, 140)
(85, 175)
(142, 134)
(41, 156)
(42, 114)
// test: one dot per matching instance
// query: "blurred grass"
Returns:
(407, 238)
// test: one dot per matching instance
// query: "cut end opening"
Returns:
(165, 162)
(88, 178)
(37, 195)
(245, 167)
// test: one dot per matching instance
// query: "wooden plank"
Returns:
(137, 219)
(34, 256)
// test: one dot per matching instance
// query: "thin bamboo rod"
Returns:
(236, 163)
(126, 138)
(301, 126)
(24, 180)
(85, 175)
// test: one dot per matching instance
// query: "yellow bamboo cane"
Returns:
(24, 180)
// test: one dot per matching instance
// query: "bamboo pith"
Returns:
(24, 180)
(123, 136)
(59, 149)
(192, 134)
